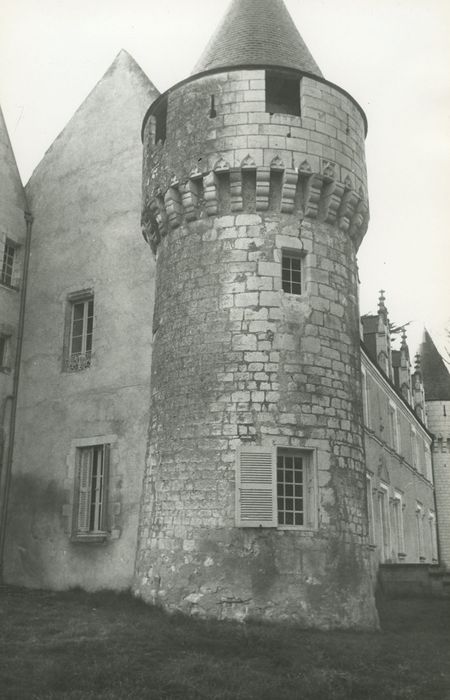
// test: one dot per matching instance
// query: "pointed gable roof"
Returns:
(436, 377)
(12, 195)
(257, 32)
(108, 118)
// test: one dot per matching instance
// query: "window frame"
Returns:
(399, 524)
(394, 427)
(5, 351)
(384, 523)
(433, 536)
(365, 397)
(371, 532)
(81, 360)
(310, 498)
(414, 449)
(428, 464)
(87, 507)
(420, 515)
(293, 253)
(7, 278)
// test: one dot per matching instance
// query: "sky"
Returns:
(391, 55)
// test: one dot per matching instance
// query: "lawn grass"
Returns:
(93, 646)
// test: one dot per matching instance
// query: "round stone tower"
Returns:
(255, 202)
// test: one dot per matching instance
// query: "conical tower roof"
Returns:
(257, 32)
(436, 377)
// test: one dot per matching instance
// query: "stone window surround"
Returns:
(370, 511)
(71, 299)
(70, 485)
(310, 486)
(5, 240)
(385, 521)
(420, 515)
(297, 254)
(398, 507)
(394, 426)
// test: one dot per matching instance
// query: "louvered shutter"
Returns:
(256, 496)
(105, 492)
(84, 490)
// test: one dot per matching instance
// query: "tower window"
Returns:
(6, 276)
(291, 272)
(161, 121)
(275, 488)
(282, 93)
(290, 488)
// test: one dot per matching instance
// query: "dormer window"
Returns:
(282, 93)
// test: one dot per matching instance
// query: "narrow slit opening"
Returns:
(276, 186)
(249, 190)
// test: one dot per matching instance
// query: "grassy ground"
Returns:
(93, 646)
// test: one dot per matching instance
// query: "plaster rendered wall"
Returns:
(391, 466)
(85, 198)
(238, 361)
(438, 413)
(12, 228)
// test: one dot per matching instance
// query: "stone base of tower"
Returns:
(280, 576)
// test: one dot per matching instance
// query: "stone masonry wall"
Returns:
(438, 413)
(236, 360)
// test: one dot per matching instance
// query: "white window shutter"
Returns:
(105, 493)
(84, 490)
(256, 487)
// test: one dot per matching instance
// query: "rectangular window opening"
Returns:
(290, 489)
(91, 490)
(161, 121)
(275, 488)
(397, 507)
(291, 272)
(282, 93)
(79, 354)
(6, 276)
(4, 351)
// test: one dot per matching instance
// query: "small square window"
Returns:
(9, 253)
(282, 93)
(291, 272)
(79, 351)
(90, 513)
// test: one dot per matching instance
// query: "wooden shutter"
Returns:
(84, 490)
(105, 492)
(256, 494)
